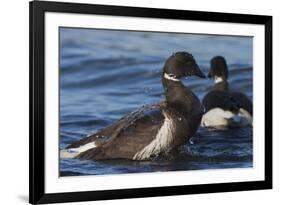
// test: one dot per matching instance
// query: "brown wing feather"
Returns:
(226, 100)
(243, 101)
(215, 99)
(104, 134)
(129, 141)
(123, 138)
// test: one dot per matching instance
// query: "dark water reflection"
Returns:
(106, 74)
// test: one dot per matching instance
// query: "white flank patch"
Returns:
(73, 152)
(218, 117)
(218, 79)
(161, 143)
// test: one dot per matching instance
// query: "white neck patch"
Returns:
(218, 79)
(169, 77)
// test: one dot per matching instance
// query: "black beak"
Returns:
(199, 73)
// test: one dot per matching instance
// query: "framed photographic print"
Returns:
(140, 102)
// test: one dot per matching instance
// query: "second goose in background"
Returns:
(223, 108)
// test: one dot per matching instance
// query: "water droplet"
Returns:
(189, 150)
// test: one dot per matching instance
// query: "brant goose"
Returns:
(224, 108)
(153, 129)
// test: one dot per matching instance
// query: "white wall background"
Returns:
(14, 80)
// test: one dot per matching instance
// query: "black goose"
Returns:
(224, 108)
(153, 129)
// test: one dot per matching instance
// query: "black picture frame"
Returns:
(37, 9)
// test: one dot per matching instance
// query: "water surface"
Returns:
(106, 74)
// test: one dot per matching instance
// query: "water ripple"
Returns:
(105, 75)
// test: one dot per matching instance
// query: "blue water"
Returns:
(106, 74)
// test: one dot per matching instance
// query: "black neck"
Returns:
(178, 96)
(222, 86)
